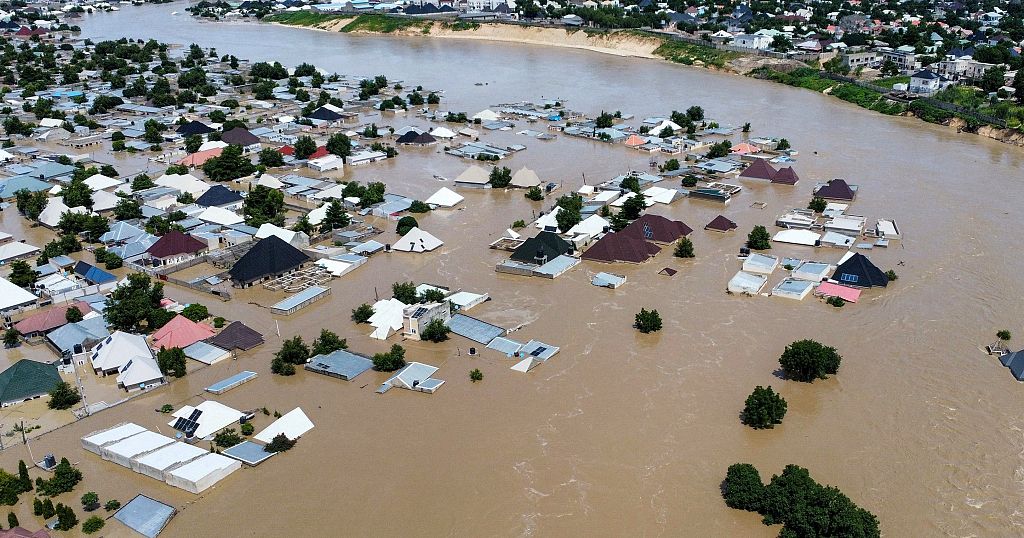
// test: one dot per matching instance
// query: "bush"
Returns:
(172, 362)
(435, 331)
(166, 408)
(248, 429)
(837, 302)
(112, 504)
(362, 313)
(758, 239)
(418, 207)
(743, 488)
(391, 360)
(90, 501)
(63, 396)
(196, 312)
(891, 275)
(1003, 335)
(279, 443)
(535, 194)
(12, 519)
(764, 408)
(66, 518)
(476, 375)
(218, 322)
(684, 248)
(817, 204)
(405, 292)
(405, 224)
(227, 438)
(807, 360)
(648, 321)
(93, 525)
(64, 479)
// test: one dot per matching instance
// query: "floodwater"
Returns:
(622, 433)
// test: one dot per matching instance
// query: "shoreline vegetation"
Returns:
(651, 45)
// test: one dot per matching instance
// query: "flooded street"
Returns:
(623, 434)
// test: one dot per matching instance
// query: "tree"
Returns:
(719, 150)
(993, 79)
(435, 331)
(335, 218)
(278, 366)
(112, 504)
(279, 443)
(10, 487)
(31, 204)
(670, 165)
(196, 312)
(77, 194)
(339, 145)
(193, 143)
(327, 342)
(1003, 335)
(647, 321)
(500, 177)
(271, 158)
(1018, 86)
(362, 313)
(303, 225)
(891, 275)
(227, 438)
(807, 360)
(64, 479)
(37, 507)
(783, 145)
(807, 508)
(113, 261)
(304, 147)
(229, 165)
(476, 375)
(889, 68)
(248, 429)
(262, 205)
(534, 193)
(406, 223)
(695, 113)
(633, 207)
(22, 274)
(66, 518)
(293, 351)
(132, 303)
(12, 520)
(684, 248)
(26, 482)
(604, 120)
(48, 509)
(405, 292)
(391, 360)
(817, 204)
(764, 408)
(743, 488)
(758, 238)
(127, 209)
(418, 207)
(570, 214)
(63, 396)
(73, 314)
(93, 525)
(142, 182)
(90, 501)
(781, 43)
(11, 338)
(171, 361)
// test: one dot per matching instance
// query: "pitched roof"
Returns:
(759, 169)
(720, 224)
(324, 114)
(240, 136)
(619, 247)
(194, 127)
(173, 243)
(786, 176)
(837, 189)
(548, 244)
(656, 228)
(50, 319)
(180, 332)
(271, 256)
(236, 335)
(27, 378)
(218, 195)
(858, 271)
(199, 158)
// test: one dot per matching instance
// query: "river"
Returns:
(624, 434)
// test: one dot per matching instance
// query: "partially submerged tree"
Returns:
(647, 321)
(807, 360)
(392, 360)
(327, 342)
(759, 239)
(435, 331)
(362, 313)
(764, 408)
(63, 396)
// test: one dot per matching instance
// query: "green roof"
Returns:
(26, 379)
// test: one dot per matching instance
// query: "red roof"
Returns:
(656, 228)
(320, 152)
(50, 319)
(21, 532)
(25, 31)
(180, 332)
(174, 243)
(721, 224)
(200, 157)
(759, 169)
(786, 176)
(286, 150)
(619, 247)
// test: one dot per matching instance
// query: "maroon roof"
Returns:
(656, 228)
(239, 136)
(837, 189)
(786, 176)
(620, 247)
(759, 169)
(721, 224)
(174, 243)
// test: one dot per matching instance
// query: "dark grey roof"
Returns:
(341, 364)
(858, 271)
(270, 257)
(218, 195)
(236, 335)
(547, 244)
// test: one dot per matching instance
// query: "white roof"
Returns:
(468, 132)
(184, 183)
(200, 468)
(55, 207)
(116, 433)
(139, 443)
(171, 455)
(5, 156)
(548, 219)
(444, 197)
(333, 191)
(622, 201)
(214, 418)
(586, 190)
(98, 182)
(413, 372)
(443, 132)
(293, 424)
(15, 249)
(219, 215)
(288, 236)
(117, 349)
(328, 161)
(605, 196)
(509, 232)
(525, 178)
(474, 174)
(760, 263)
(486, 115)
(387, 317)
(591, 225)
(417, 240)
(666, 123)
(138, 371)
(104, 200)
(660, 195)
(270, 181)
(335, 267)
(318, 215)
(212, 144)
(797, 237)
(744, 282)
(463, 298)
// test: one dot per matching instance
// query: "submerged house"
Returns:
(760, 169)
(656, 228)
(25, 380)
(175, 247)
(837, 189)
(541, 249)
(620, 247)
(859, 272)
(271, 257)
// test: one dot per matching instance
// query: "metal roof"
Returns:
(474, 329)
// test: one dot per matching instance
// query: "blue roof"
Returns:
(474, 329)
(248, 452)
(224, 384)
(93, 274)
(504, 345)
(16, 183)
(50, 169)
(295, 300)
(342, 364)
(64, 338)
(145, 516)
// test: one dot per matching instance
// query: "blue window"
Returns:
(847, 277)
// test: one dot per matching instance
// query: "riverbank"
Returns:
(638, 44)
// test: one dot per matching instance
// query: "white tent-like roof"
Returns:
(474, 175)
(525, 178)
(269, 181)
(417, 240)
(592, 225)
(55, 207)
(387, 317)
(99, 182)
(797, 237)
(442, 132)
(548, 219)
(214, 417)
(98, 439)
(221, 216)
(116, 350)
(203, 472)
(334, 191)
(444, 197)
(666, 123)
(318, 215)
(157, 463)
(293, 425)
(660, 195)
(295, 239)
(104, 201)
(486, 115)
(141, 443)
(212, 144)
(184, 183)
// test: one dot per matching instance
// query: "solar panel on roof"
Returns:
(647, 232)
(538, 351)
(179, 424)
(195, 415)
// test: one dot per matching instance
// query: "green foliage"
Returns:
(304, 147)
(391, 360)
(743, 488)
(783, 145)
(31, 204)
(633, 207)
(719, 150)
(837, 302)
(500, 177)
(647, 321)
(817, 204)
(10, 487)
(195, 312)
(891, 275)
(23, 478)
(127, 209)
(263, 205)
(519, 224)
(73, 314)
(93, 525)
(670, 165)
(362, 313)
(476, 375)
(248, 429)
(280, 443)
(435, 331)
(271, 158)
(66, 518)
(166, 408)
(631, 183)
(406, 223)
(112, 504)
(63, 396)
(684, 248)
(327, 342)
(64, 479)
(77, 194)
(405, 292)
(570, 214)
(1003, 335)
(431, 295)
(48, 509)
(37, 507)
(535, 194)
(339, 145)
(758, 238)
(764, 408)
(22, 274)
(218, 322)
(336, 218)
(172, 361)
(293, 351)
(11, 337)
(142, 181)
(90, 501)
(807, 360)
(229, 165)
(135, 302)
(227, 438)
(689, 53)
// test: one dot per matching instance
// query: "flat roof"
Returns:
(504, 345)
(139, 443)
(227, 384)
(474, 329)
(115, 433)
(248, 452)
(296, 300)
(204, 353)
(145, 516)
(340, 363)
(202, 467)
(171, 455)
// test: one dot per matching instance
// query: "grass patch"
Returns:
(302, 18)
(689, 54)
(851, 93)
(380, 24)
(461, 26)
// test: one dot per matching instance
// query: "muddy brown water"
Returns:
(622, 433)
